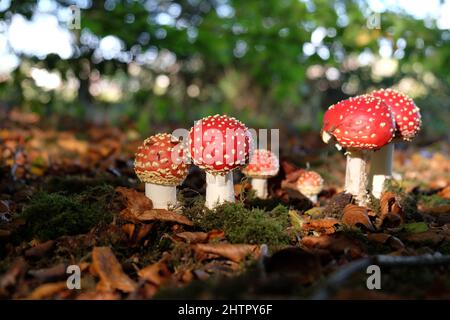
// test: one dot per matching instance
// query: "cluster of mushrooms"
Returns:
(365, 126)
(217, 144)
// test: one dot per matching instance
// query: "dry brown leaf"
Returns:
(390, 220)
(40, 249)
(129, 230)
(390, 204)
(354, 215)
(163, 215)
(438, 210)
(326, 226)
(429, 236)
(110, 271)
(384, 238)
(47, 290)
(445, 193)
(193, 237)
(57, 272)
(234, 252)
(197, 237)
(379, 237)
(136, 232)
(156, 273)
(335, 243)
(12, 276)
(134, 199)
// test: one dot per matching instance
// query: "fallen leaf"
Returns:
(354, 216)
(326, 225)
(234, 252)
(47, 290)
(389, 220)
(335, 243)
(445, 193)
(110, 271)
(390, 204)
(39, 250)
(50, 274)
(432, 237)
(157, 215)
(156, 273)
(384, 238)
(135, 200)
(12, 276)
(438, 210)
(193, 237)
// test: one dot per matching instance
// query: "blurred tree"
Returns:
(271, 63)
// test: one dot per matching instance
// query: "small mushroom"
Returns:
(219, 144)
(263, 164)
(407, 124)
(160, 164)
(359, 124)
(310, 183)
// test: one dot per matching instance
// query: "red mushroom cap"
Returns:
(309, 183)
(406, 114)
(362, 122)
(161, 160)
(263, 164)
(219, 144)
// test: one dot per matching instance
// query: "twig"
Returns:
(338, 278)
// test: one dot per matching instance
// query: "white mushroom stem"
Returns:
(219, 189)
(381, 169)
(260, 187)
(162, 196)
(356, 175)
(312, 197)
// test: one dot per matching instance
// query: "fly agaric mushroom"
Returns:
(219, 144)
(159, 163)
(263, 164)
(359, 124)
(310, 183)
(407, 121)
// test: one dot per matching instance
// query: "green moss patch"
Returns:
(243, 225)
(51, 215)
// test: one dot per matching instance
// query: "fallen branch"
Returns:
(337, 279)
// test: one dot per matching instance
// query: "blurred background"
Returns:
(151, 65)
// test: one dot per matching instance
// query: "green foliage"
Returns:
(78, 184)
(249, 63)
(433, 201)
(415, 227)
(242, 225)
(51, 215)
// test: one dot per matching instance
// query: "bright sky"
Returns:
(43, 34)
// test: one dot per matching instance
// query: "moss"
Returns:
(78, 184)
(433, 201)
(50, 215)
(242, 225)
(408, 201)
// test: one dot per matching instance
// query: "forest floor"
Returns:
(70, 197)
